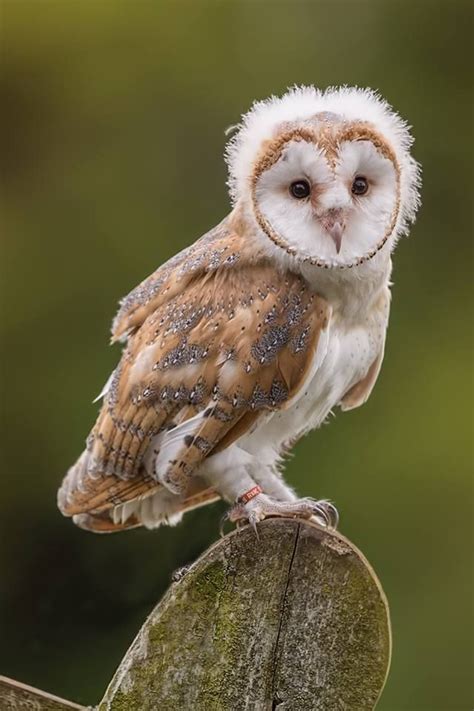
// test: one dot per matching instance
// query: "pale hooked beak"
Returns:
(334, 222)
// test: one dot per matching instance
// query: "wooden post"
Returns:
(294, 621)
(17, 697)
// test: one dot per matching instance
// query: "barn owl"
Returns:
(247, 340)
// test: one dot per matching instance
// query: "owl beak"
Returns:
(336, 230)
(334, 222)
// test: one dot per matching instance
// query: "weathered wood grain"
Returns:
(15, 696)
(294, 621)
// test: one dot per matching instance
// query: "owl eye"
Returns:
(300, 189)
(360, 185)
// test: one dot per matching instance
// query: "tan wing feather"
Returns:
(104, 523)
(359, 393)
(234, 340)
(215, 250)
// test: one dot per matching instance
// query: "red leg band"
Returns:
(249, 495)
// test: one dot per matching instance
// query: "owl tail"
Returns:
(106, 504)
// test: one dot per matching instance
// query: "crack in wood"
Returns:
(276, 700)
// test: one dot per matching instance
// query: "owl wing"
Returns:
(203, 362)
(360, 392)
(198, 495)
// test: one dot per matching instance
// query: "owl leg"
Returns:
(285, 499)
(272, 483)
(281, 500)
(228, 473)
(264, 468)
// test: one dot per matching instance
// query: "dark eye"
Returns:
(300, 189)
(360, 185)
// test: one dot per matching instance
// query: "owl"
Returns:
(245, 341)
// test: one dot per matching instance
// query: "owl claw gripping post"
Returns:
(246, 340)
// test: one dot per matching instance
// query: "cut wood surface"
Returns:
(15, 696)
(294, 621)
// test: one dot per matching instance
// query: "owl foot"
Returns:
(262, 506)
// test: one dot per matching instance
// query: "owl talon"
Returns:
(332, 514)
(253, 519)
(224, 519)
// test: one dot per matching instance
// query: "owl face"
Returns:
(333, 187)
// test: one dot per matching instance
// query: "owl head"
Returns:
(326, 176)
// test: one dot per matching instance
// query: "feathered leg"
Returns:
(228, 473)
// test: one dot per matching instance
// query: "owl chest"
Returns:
(340, 362)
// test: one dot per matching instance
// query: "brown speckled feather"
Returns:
(215, 337)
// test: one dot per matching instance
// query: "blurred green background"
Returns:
(114, 116)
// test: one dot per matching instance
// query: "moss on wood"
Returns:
(294, 620)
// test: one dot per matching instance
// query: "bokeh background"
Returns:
(114, 115)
